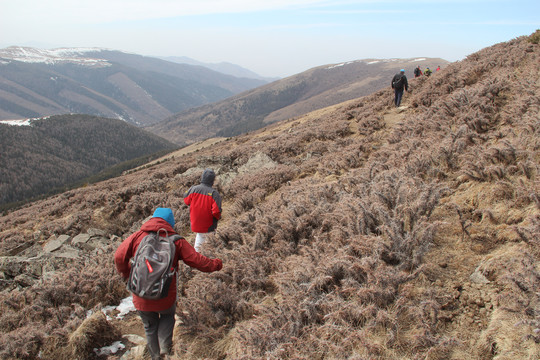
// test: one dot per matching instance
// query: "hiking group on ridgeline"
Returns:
(148, 261)
(399, 82)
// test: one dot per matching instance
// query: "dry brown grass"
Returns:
(359, 244)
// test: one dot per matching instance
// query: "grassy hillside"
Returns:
(358, 231)
(61, 150)
(296, 95)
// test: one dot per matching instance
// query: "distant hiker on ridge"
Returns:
(204, 207)
(399, 82)
(427, 72)
(157, 311)
(417, 71)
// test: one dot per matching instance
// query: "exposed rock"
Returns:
(227, 178)
(115, 239)
(98, 251)
(55, 243)
(191, 171)
(478, 278)
(257, 162)
(135, 339)
(401, 109)
(67, 252)
(12, 266)
(85, 246)
(19, 270)
(98, 242)
(96, 232)
(19, 248)
(33, 251)
(34, 267)
(136, 353)
(81, 238)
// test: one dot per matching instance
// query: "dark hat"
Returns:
(208, 176)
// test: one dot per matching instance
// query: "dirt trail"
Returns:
(395, 115)
(452, 262)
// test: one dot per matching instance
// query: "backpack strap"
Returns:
(165, 231)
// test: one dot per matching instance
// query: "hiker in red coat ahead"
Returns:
(158, 315)
(204, 207)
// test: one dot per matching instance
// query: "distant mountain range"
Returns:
(138, 89)
(222, 67)
(180, 99)
(286, 98)
(43, 155)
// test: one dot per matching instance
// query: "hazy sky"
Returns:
(270, 37)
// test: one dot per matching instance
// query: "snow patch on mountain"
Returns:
(341, 64)
(22, 122)
(52, 56)
(371, 62)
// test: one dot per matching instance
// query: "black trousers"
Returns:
(398, 95)
(158, 327)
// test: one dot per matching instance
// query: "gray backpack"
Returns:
(152, 267)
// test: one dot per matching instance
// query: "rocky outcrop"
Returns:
(34, 261)
(225, 173)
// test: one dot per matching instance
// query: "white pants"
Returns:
(200, 238)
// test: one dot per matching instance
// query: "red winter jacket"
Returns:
(184, 252)
(204, 204)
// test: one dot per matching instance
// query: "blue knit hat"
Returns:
(166, 214)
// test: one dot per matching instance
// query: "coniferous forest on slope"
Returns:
(61, 150)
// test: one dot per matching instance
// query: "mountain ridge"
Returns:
(223, 67)
(286, 98)
(137, 89)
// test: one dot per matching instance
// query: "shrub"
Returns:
(535, 37)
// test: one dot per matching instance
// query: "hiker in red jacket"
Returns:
(158, 315)
(204, 207)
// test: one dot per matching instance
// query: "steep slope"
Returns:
(141, 90)
(58, 151)
(357, 231)
(296, 95)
